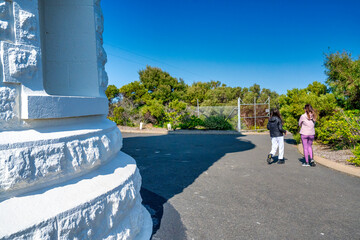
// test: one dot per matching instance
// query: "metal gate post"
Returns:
(198, 109)
(255, 111)
(239, 117)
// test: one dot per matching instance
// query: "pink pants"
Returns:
(307, 141)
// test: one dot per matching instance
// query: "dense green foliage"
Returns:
(344, 78)
(161, 85)
(124, 114)
(159, 98)
(111, 92)
(217, 123)
(348, 135)
(175, 112)
(191, 122)
(292, 104)
(356, 160)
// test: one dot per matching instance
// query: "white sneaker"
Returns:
(306, 165)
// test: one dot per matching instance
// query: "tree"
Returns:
(197, 91)
(111, 92)
(317, 88)
(214, 84)
(175, 112)
(218, 96)
(153, 111)
(136, 92)
(344, 78)
(161, 85)
(292, 105)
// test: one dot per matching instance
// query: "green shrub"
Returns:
(297, 137)
(342, 130)
(121, 117)
(292, 104)
(175, 112)
(356, 160)
(217, 123)
(192, 122)
(153, 111)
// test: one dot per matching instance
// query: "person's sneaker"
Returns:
(269, 158)
(305, 165)
(281, 161)
(312, 163)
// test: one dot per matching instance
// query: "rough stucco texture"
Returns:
(112, 210)
(27, 166)
(118, 215)
(7, 104)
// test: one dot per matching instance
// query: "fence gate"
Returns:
(243, 117)
(253, 116)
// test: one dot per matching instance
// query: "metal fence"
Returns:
(243, 117)
(253, 116)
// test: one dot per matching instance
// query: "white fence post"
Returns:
(198, 109)
(255, 111)
(239, 116)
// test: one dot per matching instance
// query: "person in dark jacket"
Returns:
(277, 136)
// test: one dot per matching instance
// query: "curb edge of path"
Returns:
(333, 165)
(181, 131)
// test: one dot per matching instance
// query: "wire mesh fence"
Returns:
(228, 112)
(244, 117)
(254, 116)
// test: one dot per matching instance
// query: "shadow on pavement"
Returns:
(170, 163)
(275, 159)
(290, 141)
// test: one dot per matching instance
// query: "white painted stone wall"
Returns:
(9, 106)
(71, 54)
(62, 174)
(52, 51)
(111, 210)
(41, 159)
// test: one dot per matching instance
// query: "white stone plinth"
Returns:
(34, 158)
(103, 204)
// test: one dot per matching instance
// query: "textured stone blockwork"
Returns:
(6, 20)
(8, 104)
(20, 62)
(26, 25)
(41, 161)
(77, 210)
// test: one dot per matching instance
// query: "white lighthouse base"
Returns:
(103, 204)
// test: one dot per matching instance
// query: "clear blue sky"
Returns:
(279, 45)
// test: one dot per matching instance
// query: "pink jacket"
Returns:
(307, 125)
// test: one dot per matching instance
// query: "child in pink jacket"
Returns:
(307, 132)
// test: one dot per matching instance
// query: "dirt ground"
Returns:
(340, 156)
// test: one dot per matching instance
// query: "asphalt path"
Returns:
(220, 187)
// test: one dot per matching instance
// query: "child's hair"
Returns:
(275, 113)
(309, 109)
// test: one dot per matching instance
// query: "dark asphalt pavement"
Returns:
(220, 187)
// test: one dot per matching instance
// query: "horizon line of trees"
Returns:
(159, 98)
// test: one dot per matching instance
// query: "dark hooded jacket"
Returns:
(275, 127)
